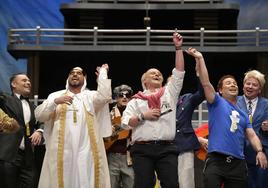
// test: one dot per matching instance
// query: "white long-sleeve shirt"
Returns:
(165, 127)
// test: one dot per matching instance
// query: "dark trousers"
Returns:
(257, 177)
(222, 169)
(39, 152)
(149, 159)
(18, 174)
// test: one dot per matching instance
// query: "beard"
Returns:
(75, 84)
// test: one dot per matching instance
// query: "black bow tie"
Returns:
(25, 98)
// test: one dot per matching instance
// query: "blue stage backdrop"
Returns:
(45, 13)
(253, 13)
(24, 14)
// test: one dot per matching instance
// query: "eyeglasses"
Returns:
(124, 94)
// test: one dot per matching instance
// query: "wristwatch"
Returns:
(261, 150)
(141, 117)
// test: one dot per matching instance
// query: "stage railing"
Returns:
(142, 37)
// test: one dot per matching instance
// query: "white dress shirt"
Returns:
(165, 127)
(253, 103)
(26, 115)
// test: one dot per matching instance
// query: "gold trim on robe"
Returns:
(94, 146)
(61, 137)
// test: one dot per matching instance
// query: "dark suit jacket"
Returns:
(10, 142)
(185, 138)
(260, 115)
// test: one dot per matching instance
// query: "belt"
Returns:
(159, 142)
(227, 158)
(21, 150)
(118, 153)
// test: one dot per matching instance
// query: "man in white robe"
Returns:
(76, 120)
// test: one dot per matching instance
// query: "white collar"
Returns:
(17, 95)
(254, 101)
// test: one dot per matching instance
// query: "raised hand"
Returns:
(98, 69)
(193, 52)
(106, 66)
(177, 39)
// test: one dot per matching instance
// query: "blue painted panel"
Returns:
(24, 14)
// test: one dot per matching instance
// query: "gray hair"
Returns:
(257, 75)
(142, 80)
(121, 88)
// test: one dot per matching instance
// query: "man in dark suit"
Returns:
(257, 108)
(185, 138)
(17, 166)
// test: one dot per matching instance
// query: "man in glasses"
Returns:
(119, 161)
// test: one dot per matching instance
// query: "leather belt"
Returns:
(160, 142)
(227, 158)
(118, 153)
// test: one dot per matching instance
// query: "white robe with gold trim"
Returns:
(78, 169)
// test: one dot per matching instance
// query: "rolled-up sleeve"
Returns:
(175, 84)
(129, 112)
